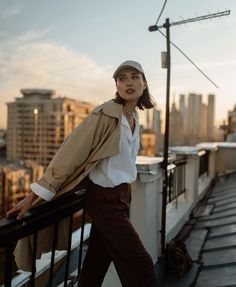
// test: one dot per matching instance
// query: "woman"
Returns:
(105, 153)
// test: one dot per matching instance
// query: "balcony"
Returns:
(200, 209)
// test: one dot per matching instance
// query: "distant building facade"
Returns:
(3, 135)
(151, 136)
(231, 128)
(232, 121)
(211, 118)
(148, 142)
(194, 119)
(191, 122)
(15, 180)
(3, 142)
(176, 131)
(184, 113)
(157, 130)
(38, 123)
(198, 118)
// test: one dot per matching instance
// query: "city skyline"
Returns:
(75, 48)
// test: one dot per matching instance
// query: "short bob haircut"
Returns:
(145, 101)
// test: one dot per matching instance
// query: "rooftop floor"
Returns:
(212, 238)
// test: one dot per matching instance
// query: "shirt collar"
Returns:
(125, 123)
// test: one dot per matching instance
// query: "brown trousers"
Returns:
(113, 238)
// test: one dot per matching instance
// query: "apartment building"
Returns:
(15, 180)
(38, 122)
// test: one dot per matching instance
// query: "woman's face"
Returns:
(130, 84)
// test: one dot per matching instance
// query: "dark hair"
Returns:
(145, 101)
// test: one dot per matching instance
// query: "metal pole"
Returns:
(167, 26)
(166, 140)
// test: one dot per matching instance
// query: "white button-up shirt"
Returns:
(120, 168)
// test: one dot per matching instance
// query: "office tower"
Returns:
(182, 105)
(176, 134)
(38, 123)
(157, 129)
(194, 115)
(203, 123)
(232, 121)
(183, 109)
(157, 121)
(211, 117)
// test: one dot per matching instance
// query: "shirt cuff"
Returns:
(42, 191)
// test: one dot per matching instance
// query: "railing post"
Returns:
(81, 242)
(35, 240)
(68, 251)
(51, 271)
(8, 264)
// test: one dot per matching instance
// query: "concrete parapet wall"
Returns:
(225, 159)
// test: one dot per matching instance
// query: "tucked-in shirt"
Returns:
(120, 168)
(114, 170)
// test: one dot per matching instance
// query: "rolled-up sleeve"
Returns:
(42, 191)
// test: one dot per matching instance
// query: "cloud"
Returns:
(47, 65)
(10, 11)
(8, 44)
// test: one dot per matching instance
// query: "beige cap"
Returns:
(128, 64)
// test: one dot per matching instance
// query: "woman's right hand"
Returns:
(23, 206)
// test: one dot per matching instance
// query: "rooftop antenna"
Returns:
(166, 63)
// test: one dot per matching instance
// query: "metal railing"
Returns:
(38, 218)
(176, 179)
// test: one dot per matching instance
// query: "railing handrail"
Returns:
(180, 161)
(40, 217)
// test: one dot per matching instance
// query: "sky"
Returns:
(73, 47)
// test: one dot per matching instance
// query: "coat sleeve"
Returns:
(73, 152)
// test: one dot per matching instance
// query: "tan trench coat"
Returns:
(97, 137)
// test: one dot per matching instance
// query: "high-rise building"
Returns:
(38, 123)
(195, 112)
(157, 120)
(203, 123)
(183, 111)
(211, 117)
(156, 126)
(230, 129)
(198, 118)
(232, 121)
(176, 135)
